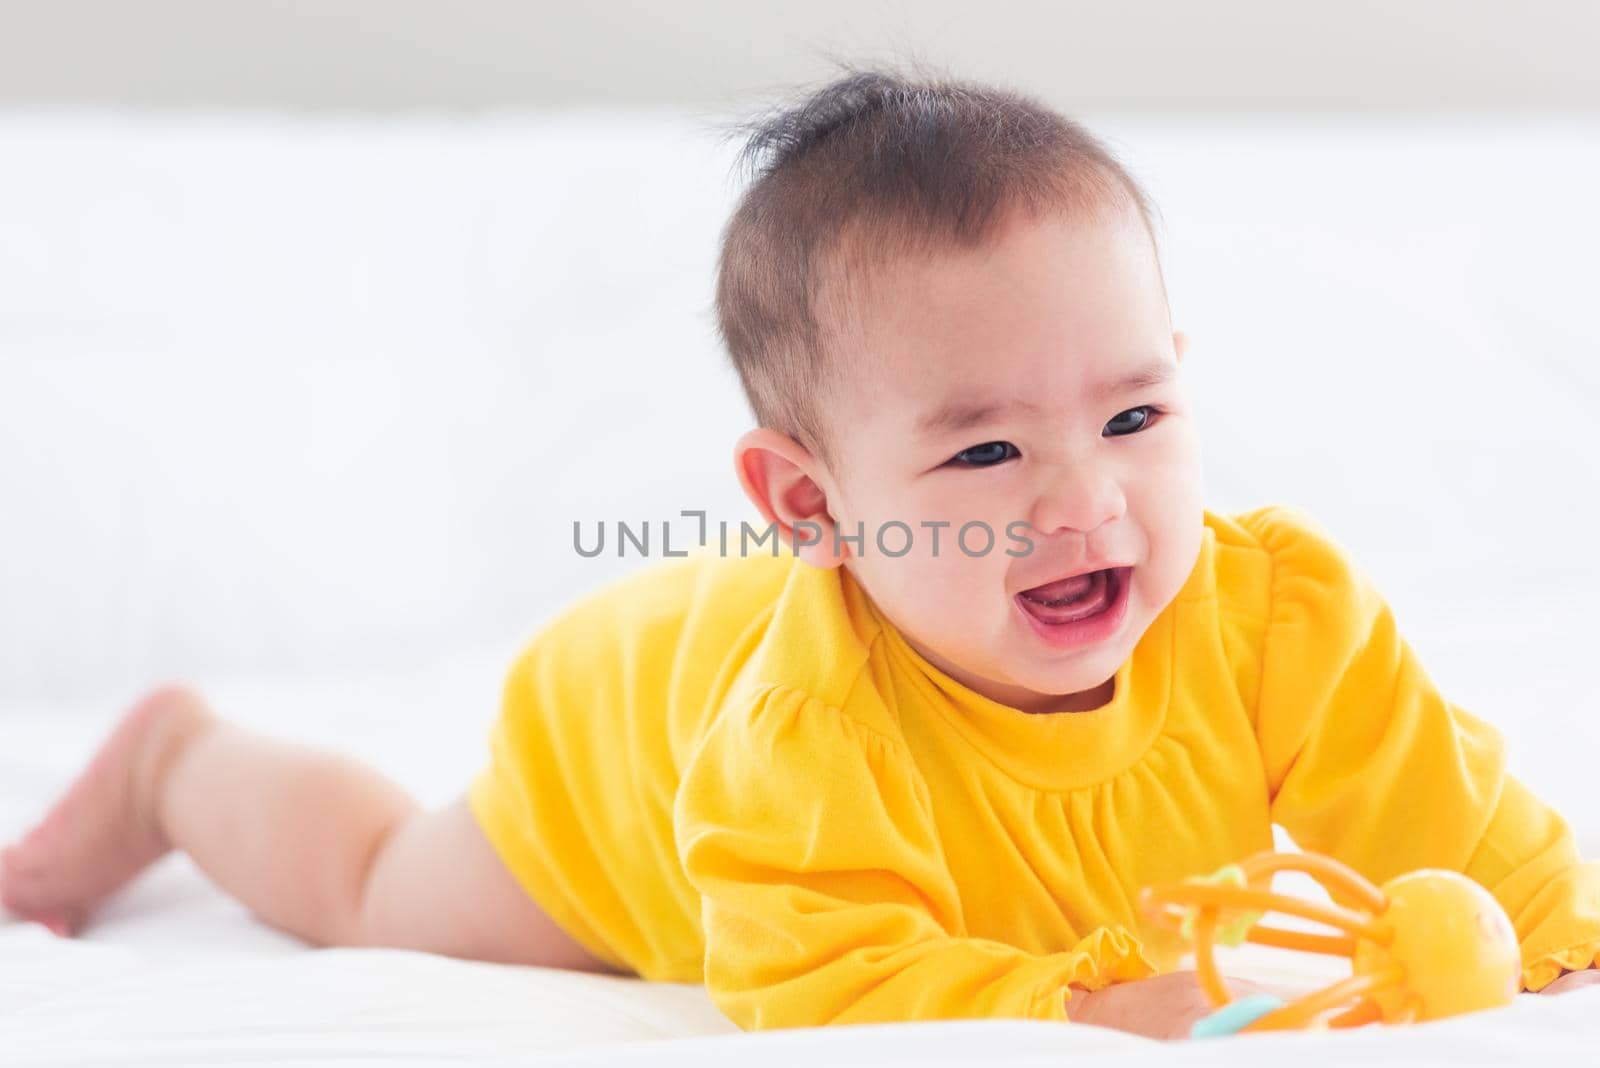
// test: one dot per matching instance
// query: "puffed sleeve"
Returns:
(825, 894)
(1368, 762)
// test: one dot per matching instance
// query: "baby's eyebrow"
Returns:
(965, 413)
(1155, 373)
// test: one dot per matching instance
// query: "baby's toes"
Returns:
(64, 924)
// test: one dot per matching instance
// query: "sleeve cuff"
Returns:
(1544, 970)
(1104, 956)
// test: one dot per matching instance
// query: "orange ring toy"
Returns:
(1424, 945)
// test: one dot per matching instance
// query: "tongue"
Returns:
(1095, 592)
(1076, 586)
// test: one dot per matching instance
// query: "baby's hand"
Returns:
(1163, 1006)
(1571, 981)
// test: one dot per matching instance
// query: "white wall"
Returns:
(1169, 55)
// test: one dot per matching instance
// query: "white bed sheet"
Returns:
(88, 1003)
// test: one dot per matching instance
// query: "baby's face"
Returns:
(1011, 343)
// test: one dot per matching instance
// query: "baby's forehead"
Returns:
(933, 333)
(1066, 276)
(871, 262)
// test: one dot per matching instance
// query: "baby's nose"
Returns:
(1079, 499)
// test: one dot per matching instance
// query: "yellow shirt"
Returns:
(735, 770)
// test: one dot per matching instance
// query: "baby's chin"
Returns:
(1079, 690)
(1008, 663)
(1033, 684)
(1048, 674)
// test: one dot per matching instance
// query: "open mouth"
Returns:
(1084, 608)
(1072, 599)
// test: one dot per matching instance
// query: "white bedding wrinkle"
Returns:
(333, 1006)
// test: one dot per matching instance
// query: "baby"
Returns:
(991, 667)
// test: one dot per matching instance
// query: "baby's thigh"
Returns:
(437, 885)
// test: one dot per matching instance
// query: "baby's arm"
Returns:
(826, 895)
(1367, 761)
(312, 842)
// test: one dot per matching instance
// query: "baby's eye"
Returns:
(986, 455)
(1144, 422)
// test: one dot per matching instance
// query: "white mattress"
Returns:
(283, 405)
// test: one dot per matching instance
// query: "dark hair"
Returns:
(874, 165)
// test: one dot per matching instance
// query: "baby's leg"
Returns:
(312, 842)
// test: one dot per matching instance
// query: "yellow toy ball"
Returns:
(1453, 940)
(1424, 945)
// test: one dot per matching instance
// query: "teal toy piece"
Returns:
(1234, 1015)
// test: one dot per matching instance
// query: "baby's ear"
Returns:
(778, 475)
(1180, 342)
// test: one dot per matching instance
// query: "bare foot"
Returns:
(105, 830)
